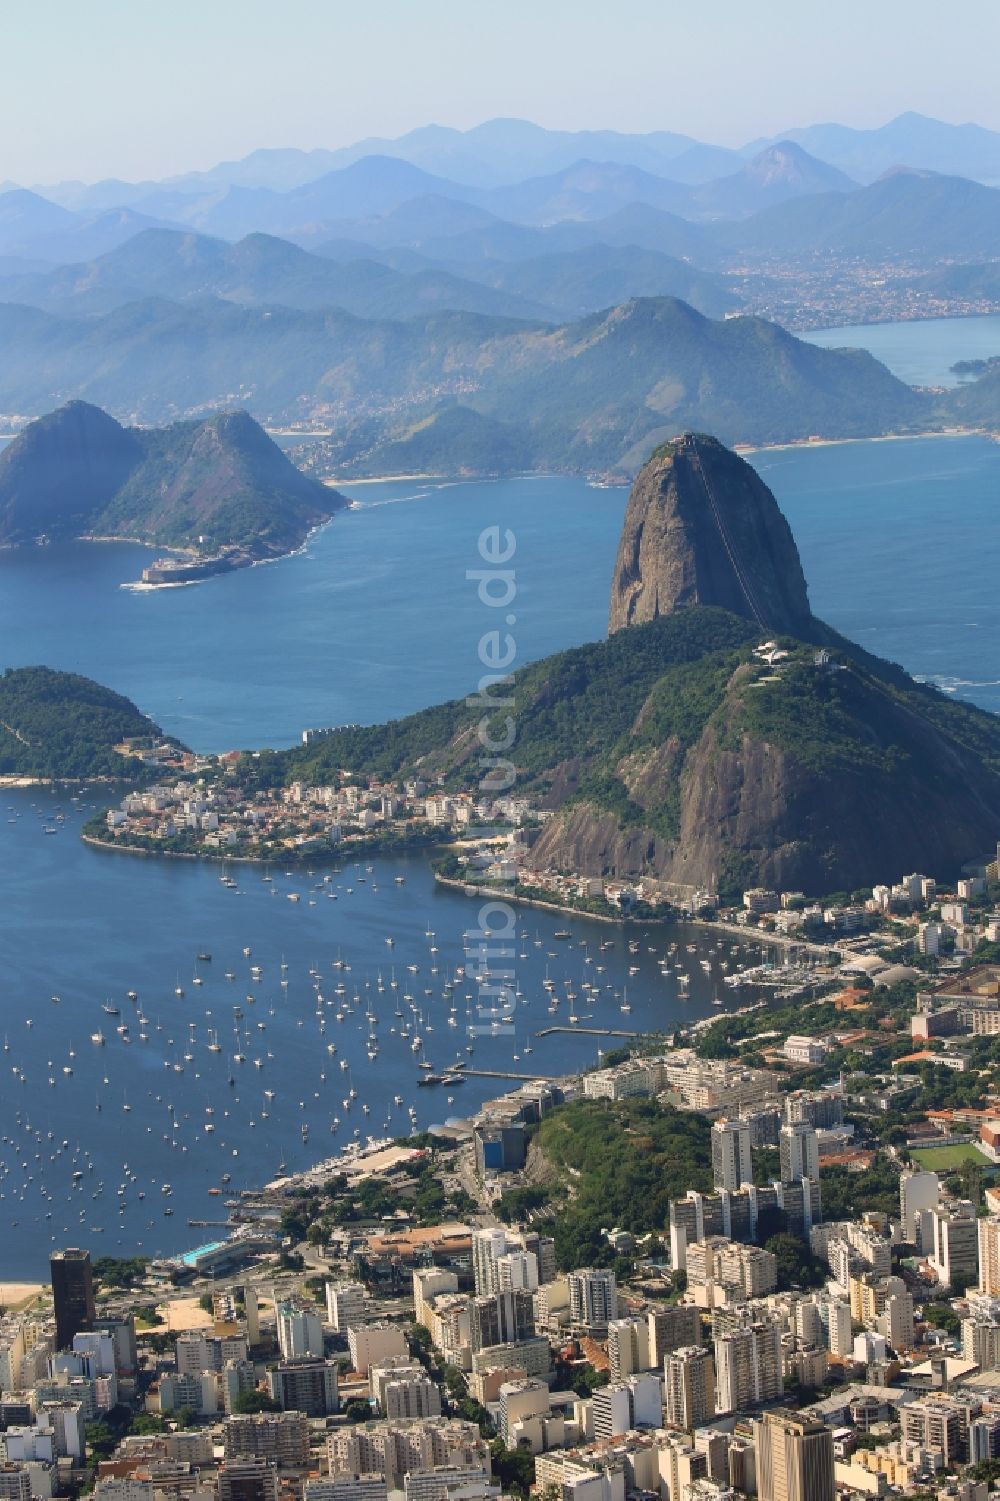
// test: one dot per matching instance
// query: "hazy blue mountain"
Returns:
(33, 229)
(910, 214)
(206, 353)
(649, 228)
(374, 185)
(573, 283)
(910, 140)
(508, 151)
(502, 153)
(437, 149)
(585, 190)
(258, 270)
(29, 222)
(24, 215)
(600, 391)
(699, 163)
(495, 153)
(428, 218)
(19, 265)
(638, 224)
(775, 175)
(278, 168)
(94, 197)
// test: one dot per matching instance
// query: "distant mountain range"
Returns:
(502, 152)
(916, 216)
(376, 185)
(910, 140)
(502, 298)
(262, 270)
(32, 228)
(215, 486)
(782, 203)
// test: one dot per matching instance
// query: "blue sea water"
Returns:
(920, 352)
(375, 618)
(900, 542)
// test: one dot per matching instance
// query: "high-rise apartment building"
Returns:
(670, 1328)
(345, 1304)
(731, 1162)
(794, 1458)
(689, 1395)
(747, 1365)
(989, 1256)
(798, 1151)
(593, 1299)
(487, 1248)
(300, 1332)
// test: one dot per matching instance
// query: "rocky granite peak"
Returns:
(702, 528)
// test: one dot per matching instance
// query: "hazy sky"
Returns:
(137, 88)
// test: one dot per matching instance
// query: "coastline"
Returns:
(517, 899)
(15, 779)
(334, 854)
(613, 480)
(809, 443)
(232, 562)
(714, 924)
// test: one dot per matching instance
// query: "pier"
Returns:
(585, 1032)
(498, 1073)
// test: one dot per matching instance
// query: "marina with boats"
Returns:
(179, 1039)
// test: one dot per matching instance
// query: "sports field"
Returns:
(946, 1159)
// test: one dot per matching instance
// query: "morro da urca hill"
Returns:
(702, 528)
(59, 724)
(211, 486)
(725, 737)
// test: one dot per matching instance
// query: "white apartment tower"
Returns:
(798, 1150)
(689, 1395)
(731, 1164)
(593, 1299)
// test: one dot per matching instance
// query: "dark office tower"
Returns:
(72, 1295)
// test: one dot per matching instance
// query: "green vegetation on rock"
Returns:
(624, 1162)
(58, 724)
(671, 750)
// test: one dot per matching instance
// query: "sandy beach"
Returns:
(16, 1296)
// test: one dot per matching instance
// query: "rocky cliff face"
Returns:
(752, 810)
(702, 528)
